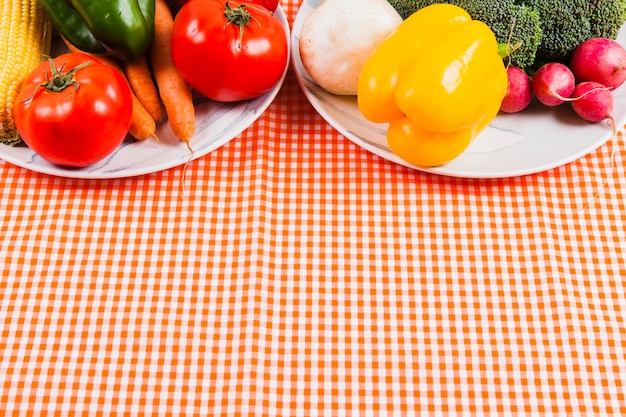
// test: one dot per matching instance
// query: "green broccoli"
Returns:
(513, 24)
(607, 17)
(565, 24)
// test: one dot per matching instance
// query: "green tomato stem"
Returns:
(60, 80)
(238, 16)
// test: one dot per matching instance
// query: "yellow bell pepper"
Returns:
(438, 81)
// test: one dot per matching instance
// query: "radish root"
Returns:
(593, 90)
(613, 140)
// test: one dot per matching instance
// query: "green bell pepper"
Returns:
(123, 28)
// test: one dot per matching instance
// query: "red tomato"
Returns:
(83, 122)
(228, 51)
(270, 5)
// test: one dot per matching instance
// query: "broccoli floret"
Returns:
(513, 24)
(607, 17)
(565, 24)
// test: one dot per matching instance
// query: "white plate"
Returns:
(535, 140)
(216, 125)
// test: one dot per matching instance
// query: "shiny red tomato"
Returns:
(73, 111)
(229, 51)
(270, 5)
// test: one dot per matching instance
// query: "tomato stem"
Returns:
(238, 16)
(61, 80)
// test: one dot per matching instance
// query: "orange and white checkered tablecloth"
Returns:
(292, 273)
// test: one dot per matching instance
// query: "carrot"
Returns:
(142, 125)
(174, 91)
(140, 79)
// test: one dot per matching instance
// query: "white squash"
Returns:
(338, 36)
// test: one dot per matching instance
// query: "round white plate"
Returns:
(535, 140)
(216, 124)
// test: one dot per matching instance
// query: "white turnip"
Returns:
(519, 92)
(553, 83)
(592, 101)
(601, 60)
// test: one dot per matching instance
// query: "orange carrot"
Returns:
(142, 125)
(174, 91)
(140, 79)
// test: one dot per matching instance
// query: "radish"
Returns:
(553, 83)
(592, 101)
(519, 93)
(601, 60)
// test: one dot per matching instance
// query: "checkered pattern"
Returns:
(291, 273)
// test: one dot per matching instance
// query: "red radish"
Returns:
(592, 101)
(601, 60)
(553, 83)
(519, 93)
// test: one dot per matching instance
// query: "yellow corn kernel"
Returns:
(25, 34)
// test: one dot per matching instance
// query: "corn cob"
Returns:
(25, 34)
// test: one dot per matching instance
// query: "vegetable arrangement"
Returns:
(596, 67)
(555, 48)
(543, 30)
(512, 22)
(120, 73)
(434, 110)
(438, 84)
(437, 72)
